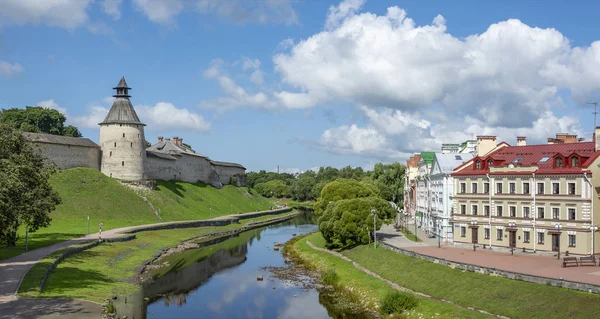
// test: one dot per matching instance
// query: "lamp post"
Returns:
(558, 228)
(374, 213)
(593, 229)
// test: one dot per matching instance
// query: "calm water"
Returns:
(219, 281)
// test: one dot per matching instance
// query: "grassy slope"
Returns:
(86, 192)
(512, 298)
(373, 289)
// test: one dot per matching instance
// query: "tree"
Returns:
(26, 197)
(38, 119)
(302, 187)
(274, 188)
(348, 222)
(343, 189)
(391, 175)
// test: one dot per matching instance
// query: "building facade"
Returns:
(410, 184)
(423, 214)
(534, 197)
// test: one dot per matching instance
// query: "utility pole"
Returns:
(595, 104)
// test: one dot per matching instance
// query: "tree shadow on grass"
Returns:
(36, 240)
(68, 277)
(173, 186)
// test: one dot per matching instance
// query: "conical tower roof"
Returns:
(122, 111)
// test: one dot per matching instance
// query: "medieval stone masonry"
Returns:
(122, 153)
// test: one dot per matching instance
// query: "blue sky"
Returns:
(302, 84)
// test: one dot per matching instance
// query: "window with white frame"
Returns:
(499, 211)
(474, 188)
(571, 188)
(540, 212)
(499, 188)
(463, 232)
(526, 212)
(498, 234)
(571, 213)
(540, 188)
(526, 235)
(474, 209)
(525, 188)
(486, 233)
(540, 239)
(512, 188)
(486, 210)
(463, 187)
(463, 209)
(555, 212)
(555, 188)
(486, 188)
(572, 241)
(512, 211)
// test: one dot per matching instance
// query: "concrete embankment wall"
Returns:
(498, 272)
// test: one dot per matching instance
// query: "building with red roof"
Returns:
(533, 197)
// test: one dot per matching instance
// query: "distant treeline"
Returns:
(387, 178)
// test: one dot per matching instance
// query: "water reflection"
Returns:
(220, 281)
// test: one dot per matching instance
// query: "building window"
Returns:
(499, 211)
(525, 211)
(559, 162)
(486, 188)
(571, 213)
(486, 210)
(526, 237)
(572, 241)
(540, 238)
(110, 153)
(122, 163)
(115, 144)
(123, 134)
(474, 188)
(463, 232)
(575, 161)
(499, 234)
(138, 135)
(512, 211)
(540, 213)
(512, 187)
(478, 165)
(486, 233)
(555, 213)
(540, 188)
(463, 209)
(571, 188)
(463, 188)
(131, 144)
(474, 207)
(490, 163)
(555, 188)
(499, 188)
(525, 188)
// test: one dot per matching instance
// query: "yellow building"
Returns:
(534, 197)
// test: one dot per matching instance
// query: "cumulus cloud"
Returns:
(240, 11)
(50, 104)
(67, 14)
(9, 69)
(112, 8)
(160, 11)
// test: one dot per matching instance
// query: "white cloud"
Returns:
(95, 115)
(50, 104)
(344, 10)
(112, 8)
(240, 11)
(100, 28)
(165, 115)
(257, 77)
(248, 63)
(9, 69)
(67, 14)
(160, 11)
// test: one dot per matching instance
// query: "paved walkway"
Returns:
(13, 270)
(525, 263)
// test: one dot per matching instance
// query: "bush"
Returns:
(397, 301)
(110, 308)
(329, 277)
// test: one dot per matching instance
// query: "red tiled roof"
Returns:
(532, 154)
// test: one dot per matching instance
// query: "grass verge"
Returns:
(409, 235)
(370, 290)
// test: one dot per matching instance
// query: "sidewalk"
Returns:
(525, 263)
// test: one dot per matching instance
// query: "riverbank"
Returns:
(113, 268)
(362, 289)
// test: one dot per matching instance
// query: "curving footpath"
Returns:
(13, 270)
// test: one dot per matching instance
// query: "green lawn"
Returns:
(102, 271)
(87, 192)
(512, 298)
(410, 235)
(372, 290)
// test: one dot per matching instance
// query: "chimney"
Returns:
(597, 140)
(180, 142)
(521, 141)
(485, 144)
(566, 138)
(160, 139)
(175, 140)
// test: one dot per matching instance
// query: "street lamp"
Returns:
(558, 228)
(374, 213)
(593, 229)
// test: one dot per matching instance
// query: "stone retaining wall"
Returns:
(498, 272)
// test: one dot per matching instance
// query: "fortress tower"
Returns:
(122, 139)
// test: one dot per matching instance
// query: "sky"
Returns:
(302, 84)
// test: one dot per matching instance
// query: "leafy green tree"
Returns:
(391, 175)
(348, 222)
(343, 189)
(26, 197)
(274, 188)
(39, 120)
(327, 174)
(302, 187)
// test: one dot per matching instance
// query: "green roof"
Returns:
(427, 157)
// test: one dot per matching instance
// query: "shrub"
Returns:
(110, 307)
(397, 301)
(329, 277)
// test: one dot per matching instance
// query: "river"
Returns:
(220, 281)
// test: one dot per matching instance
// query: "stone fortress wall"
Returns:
(67, 152)
(187, 168)
(123, 151)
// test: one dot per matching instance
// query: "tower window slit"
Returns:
(123, 134)
(131, 144)
(110, 153)
(115, 144)
(123, 163)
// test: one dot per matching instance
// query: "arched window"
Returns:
(478, 165)
(575, 161)
(490, 163)
(559, 162)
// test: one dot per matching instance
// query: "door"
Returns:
(512, 239)
(555, 242)
(474, 235)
